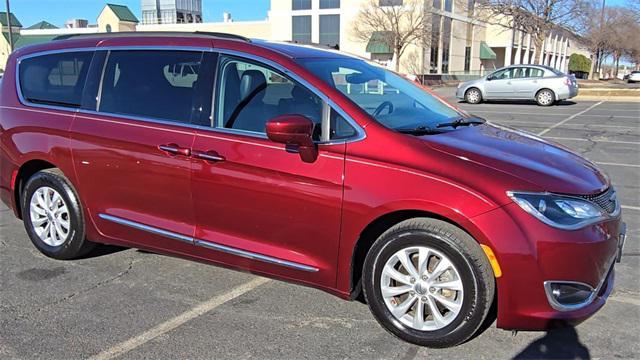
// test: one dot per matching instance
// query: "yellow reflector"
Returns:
(492, 260)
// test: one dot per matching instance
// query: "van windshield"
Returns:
(392, 100)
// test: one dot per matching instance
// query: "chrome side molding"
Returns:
(208, 244)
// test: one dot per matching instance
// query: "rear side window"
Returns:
(152, 84)
(55, 79)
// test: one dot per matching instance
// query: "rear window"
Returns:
(55, 79)
(152, 84)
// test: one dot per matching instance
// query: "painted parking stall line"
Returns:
(541, 133)
(177, 321)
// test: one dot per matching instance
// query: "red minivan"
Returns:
(307, 165)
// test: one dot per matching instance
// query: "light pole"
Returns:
(9, 26)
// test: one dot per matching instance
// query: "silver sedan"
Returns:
(543, 84)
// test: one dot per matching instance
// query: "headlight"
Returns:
(559, 211)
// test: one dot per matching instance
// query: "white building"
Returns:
(171, 11)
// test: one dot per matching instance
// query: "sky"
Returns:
(57, 12)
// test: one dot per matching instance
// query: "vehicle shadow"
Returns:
(556, 344)
(524, 102)
(103, 250)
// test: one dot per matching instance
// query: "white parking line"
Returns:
(625, 299)
(627, 207)
(616, 164)
(596, 140)
(175, 322)
(568, 119)
(587, 125)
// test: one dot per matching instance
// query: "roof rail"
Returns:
(217, 35)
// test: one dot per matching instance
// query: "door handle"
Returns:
(175, 149)
(210, 156)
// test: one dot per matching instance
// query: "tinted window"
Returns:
(56, 79)
(329, 4)
(251, 94)
(301, 4)
(301, 29)
(155, 84)
(330, 30)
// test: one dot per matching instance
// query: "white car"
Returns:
(543, 84)
(634, 77)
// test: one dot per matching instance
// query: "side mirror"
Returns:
(296, 132)
(489, 78)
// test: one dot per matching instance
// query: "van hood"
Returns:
(546, 165)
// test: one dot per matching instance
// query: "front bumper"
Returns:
(531, 253)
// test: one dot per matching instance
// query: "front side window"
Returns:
(330, 30)
(55, 79)
(250, 94)
(389, 98)
(301, 31)
(503, 74)
(154, 84)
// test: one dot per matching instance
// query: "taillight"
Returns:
(567, 81)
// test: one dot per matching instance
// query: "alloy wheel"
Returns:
(49, 216)
(422, 288)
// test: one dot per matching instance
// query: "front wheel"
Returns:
(473, 96)
(428, 283)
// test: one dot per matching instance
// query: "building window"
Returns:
(330, 30)
(329, 4)
(391, 3)
(437, 4)
(448, 5)
(471, 5)
(467, 58)
(446, 44)
(435, 37)
(301, 29)
(109, 28)
(301, 5)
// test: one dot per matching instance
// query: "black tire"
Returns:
(545, 97)
(75, 245)
(473, 96)
(464, 253)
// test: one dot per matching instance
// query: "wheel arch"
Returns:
(379, 225)
(26, 171)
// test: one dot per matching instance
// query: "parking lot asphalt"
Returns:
(126, 303)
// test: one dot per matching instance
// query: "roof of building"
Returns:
(25, 40)
(123, 13)
(14, 20)
(42, 25)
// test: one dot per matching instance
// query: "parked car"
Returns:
(543, 84)
(263, 161)
(634, 76)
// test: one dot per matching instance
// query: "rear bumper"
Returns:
(531, 253)
(567, 92)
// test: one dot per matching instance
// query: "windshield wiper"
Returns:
(462, 122)
(418, 130)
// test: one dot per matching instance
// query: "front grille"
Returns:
(606, 200)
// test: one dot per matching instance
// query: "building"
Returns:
(171, 12)
(514, 46)
(116, 18)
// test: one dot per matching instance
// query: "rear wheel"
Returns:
(53, 216)
(473, 96)
(428, 283)
(545, 97)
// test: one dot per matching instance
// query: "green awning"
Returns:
(379, 43)
(485, 52)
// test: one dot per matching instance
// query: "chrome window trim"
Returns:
(208, 244)
(360, 133)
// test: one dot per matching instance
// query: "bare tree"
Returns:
(535, 17)
(395, 26)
